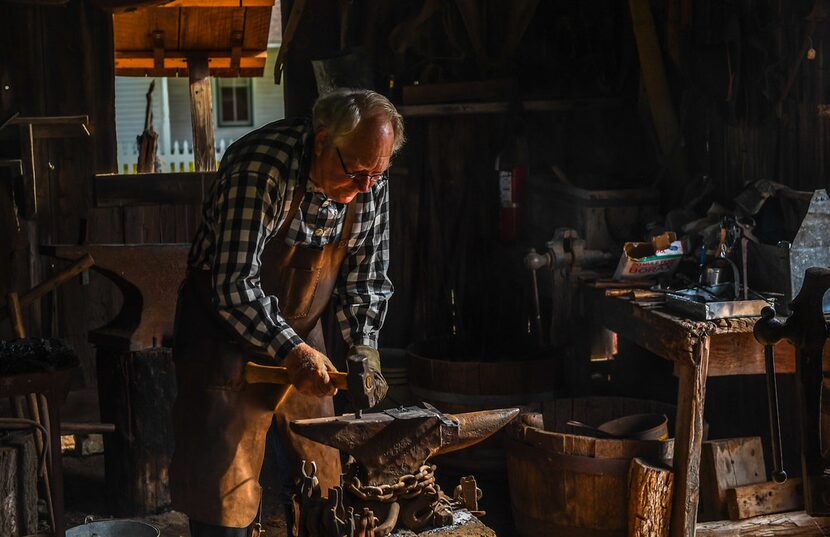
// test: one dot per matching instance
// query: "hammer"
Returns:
(358, 382)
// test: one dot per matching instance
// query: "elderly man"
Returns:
(298, 215)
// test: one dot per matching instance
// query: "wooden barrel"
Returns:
(457, 376)
(395, 367)
(573, 485)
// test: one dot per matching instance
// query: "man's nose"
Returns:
(364, 184)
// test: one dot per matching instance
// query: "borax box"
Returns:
(646, 259)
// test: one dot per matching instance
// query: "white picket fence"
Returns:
(178, 159)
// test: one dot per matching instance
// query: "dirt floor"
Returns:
(85, 496)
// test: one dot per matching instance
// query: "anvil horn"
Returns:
(475, 427)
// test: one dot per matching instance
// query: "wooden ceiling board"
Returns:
(257, 27)
(206, 28)
(133, 30)
(220, 3)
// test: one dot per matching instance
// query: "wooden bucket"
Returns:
(456, 376)
(574, 485)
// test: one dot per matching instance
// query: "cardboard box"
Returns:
(646, 259)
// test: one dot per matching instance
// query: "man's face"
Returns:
(366, 151)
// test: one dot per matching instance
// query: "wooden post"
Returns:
(650, 491)
(689, 438)
(201, 113)
(9, 492)
(137, 390)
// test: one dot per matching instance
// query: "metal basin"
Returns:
(114, 528)
(638, 427)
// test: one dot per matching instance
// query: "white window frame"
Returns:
(234, 83)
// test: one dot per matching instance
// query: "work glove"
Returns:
(308, 371)
(380, 385)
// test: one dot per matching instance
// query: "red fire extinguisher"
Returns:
(512, 171)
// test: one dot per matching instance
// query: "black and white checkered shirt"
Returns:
(246, 206)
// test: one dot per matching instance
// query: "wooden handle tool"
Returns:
(269, 374)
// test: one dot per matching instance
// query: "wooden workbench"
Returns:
(699, 349)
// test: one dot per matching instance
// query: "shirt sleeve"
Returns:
(364, 289)
(246, 214)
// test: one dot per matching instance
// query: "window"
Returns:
(235, 102)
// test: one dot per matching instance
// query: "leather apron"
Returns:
(220, 421)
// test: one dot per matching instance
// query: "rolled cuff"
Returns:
(283, 343)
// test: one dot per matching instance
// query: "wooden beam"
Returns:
(653, 73)
(726, 464)
(798, 524)
(145, 63)
(201, 114)
(765, 498)
(115, 190)
(501, 107)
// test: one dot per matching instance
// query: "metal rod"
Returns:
(537, 312)
(778, 474)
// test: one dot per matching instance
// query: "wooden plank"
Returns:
(204, 28)
(134, 30)
(798, 524)
(222, 72)
(654, 331)
(257, 26)
(726, 464)
(219, 3)
(765, 498)
(457, 91)
(501, 107)
(116, 190)
(201, 114)
(688, 439)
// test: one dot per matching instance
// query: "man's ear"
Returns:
(321, 140)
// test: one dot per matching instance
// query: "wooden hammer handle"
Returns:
(269, 374)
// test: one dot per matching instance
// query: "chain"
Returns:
(408, 486)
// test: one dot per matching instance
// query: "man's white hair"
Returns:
(342, 109)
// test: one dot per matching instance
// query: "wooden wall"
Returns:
(450, 270)
(57, 61)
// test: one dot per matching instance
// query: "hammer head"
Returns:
(363, 390)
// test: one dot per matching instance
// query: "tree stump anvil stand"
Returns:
(136, 379)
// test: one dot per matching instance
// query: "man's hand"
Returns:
(308, 371)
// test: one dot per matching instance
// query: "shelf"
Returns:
(54, 126)
(501, 107)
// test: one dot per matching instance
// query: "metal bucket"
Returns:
(113, 528)
(638, 427)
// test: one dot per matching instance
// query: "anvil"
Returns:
(394, 443)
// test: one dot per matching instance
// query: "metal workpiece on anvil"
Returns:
(148, 276)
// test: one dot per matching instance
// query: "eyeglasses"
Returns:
(373, 178)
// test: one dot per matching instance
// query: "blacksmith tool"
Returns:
(359, 382)
(806, 330)
(399, 441)
(388, 482)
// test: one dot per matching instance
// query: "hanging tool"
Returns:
(806, 329)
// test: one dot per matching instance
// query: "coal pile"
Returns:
(35, 354)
